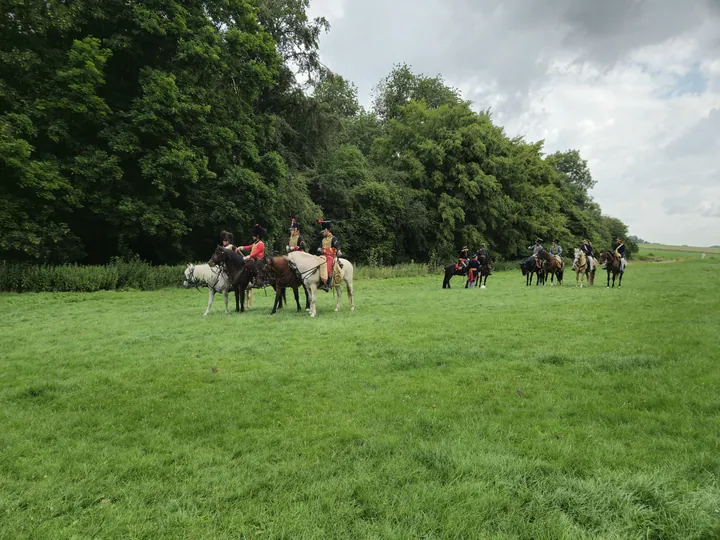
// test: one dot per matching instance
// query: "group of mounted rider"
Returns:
(543, 262)
(296, 269)
(329, 249)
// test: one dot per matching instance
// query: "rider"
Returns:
(473, 271)
(620, 253)
(227, 240)
(257, 248)
(462, 259)
(296, 242)
(587, 249)
(484, 253)
(329, 251)
(556, 250)
(536, 247)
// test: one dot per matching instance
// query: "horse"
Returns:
(529, 267)
(308, 267)
(582, 264)
(240, 272)
(485, 269)
(451, 271)
(215, 279)
(612, 264)
(551, 266)
(279, 273)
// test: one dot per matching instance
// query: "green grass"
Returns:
(660, 252)
(509, 412)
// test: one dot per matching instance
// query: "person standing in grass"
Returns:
(257, 248)
(473, 272)
(296, 242)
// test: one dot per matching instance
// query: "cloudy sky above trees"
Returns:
(633, 84)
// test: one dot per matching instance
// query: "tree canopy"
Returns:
(129, 127)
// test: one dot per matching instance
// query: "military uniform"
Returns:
(226, 239)
(257, 248)
(296, 241)
(330, 251)
(587, 249)
(620, 253)
(473, 272)
(556, 250)
(462, 259)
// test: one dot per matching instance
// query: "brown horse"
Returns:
(452, 270)
(239, 271)
(551, 266)
(277, 271)
(612, 264)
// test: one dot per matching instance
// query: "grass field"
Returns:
(509, 412)
(660, 251)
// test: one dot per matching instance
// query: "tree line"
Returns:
(130, 128)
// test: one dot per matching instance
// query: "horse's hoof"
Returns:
(352, 308)
(483, 287)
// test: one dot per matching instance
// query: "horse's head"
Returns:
(218, 258)
(190, 280)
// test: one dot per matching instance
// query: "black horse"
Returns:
(452, 270)
(240, 272)
(529, 267)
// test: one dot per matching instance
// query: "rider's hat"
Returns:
(465, 248)
(225, 235)
(556, 240)
(258, 231)
(294, 225)
(619, 239)
(538, 241)
(482, 245)
(325, 224)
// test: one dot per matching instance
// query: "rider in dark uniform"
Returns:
(227, 240)
(462, 259)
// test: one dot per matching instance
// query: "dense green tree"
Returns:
(129, 127)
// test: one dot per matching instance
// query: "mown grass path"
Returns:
(509, 412)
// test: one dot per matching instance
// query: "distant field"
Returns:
(682, 249)
(660, 251)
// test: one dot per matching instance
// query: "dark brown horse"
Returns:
(529, 267)
(276, 271)
(452, 270)
(485, 269)
(612, 264)
(240, 272)
(551, 266)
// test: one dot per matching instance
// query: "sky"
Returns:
(634, 85)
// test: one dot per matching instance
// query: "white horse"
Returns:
(215, 279)
(309, 267)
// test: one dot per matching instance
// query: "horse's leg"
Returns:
(351, 294)
(236, 290)
(313, 290)
(276, 299)
(250, 296)
(242, 299)
(225, 294)
(620, 282)
(297, 296)
(608, 283)
(210, 301)
(307, 298)
(338, 293)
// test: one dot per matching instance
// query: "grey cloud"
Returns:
(702, 138)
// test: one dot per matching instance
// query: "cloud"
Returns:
(634, 85)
